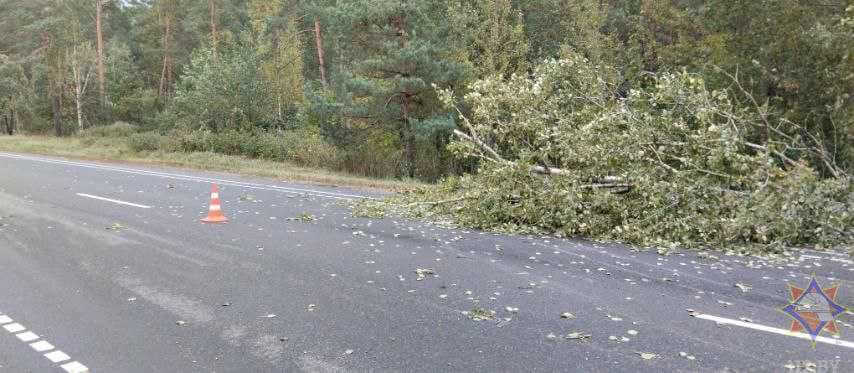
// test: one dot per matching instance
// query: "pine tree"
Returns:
(396, 52)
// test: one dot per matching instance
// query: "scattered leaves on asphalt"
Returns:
(306, 217)
(647, 355)
(115, 227)
(686, 355)
(422, 273)
(479, 314)
(744, 287)
(578, 336)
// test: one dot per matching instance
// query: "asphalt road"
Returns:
(124, 288)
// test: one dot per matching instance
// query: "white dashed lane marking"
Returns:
(75, 367)
(113, 201)
(55, 356)
(41, 346)
(14, 327)
(27, 336)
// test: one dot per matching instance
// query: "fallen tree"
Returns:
(673, 164)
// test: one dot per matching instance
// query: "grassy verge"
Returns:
(116, 150)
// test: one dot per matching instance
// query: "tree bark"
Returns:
(408, 141)
(214, 34)
(57, 114)
(7, 119)
(102, 83)
(165, 74)
(408, 132)
(318, 39)
(78, 103)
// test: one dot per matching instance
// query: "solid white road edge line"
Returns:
(113, 200)
(743, 324)
(311, 192)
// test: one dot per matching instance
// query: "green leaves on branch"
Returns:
(695, 167)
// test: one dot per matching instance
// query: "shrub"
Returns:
(117, 129)
(146, 142)
(303, 146)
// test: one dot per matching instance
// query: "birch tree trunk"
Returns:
(78, 103)
(80, 58)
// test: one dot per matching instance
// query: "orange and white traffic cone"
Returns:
(215, 212)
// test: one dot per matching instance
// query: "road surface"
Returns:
(106, 268)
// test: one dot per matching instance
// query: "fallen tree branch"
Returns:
(598, 186)
(436, 203)
(492, 155)
(481, 145)
(498, 158)
(786, 159)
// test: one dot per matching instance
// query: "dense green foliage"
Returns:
(685, 121)
(672, 164)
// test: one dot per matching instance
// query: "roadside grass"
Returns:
(116, 150)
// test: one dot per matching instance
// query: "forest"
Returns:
(658, 122)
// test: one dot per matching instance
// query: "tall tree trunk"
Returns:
(214, 34)
(8, 118)
(318, 39)
(57, 114)
(102, 83)
(165, 74)
(409, 140)
(78, 103)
